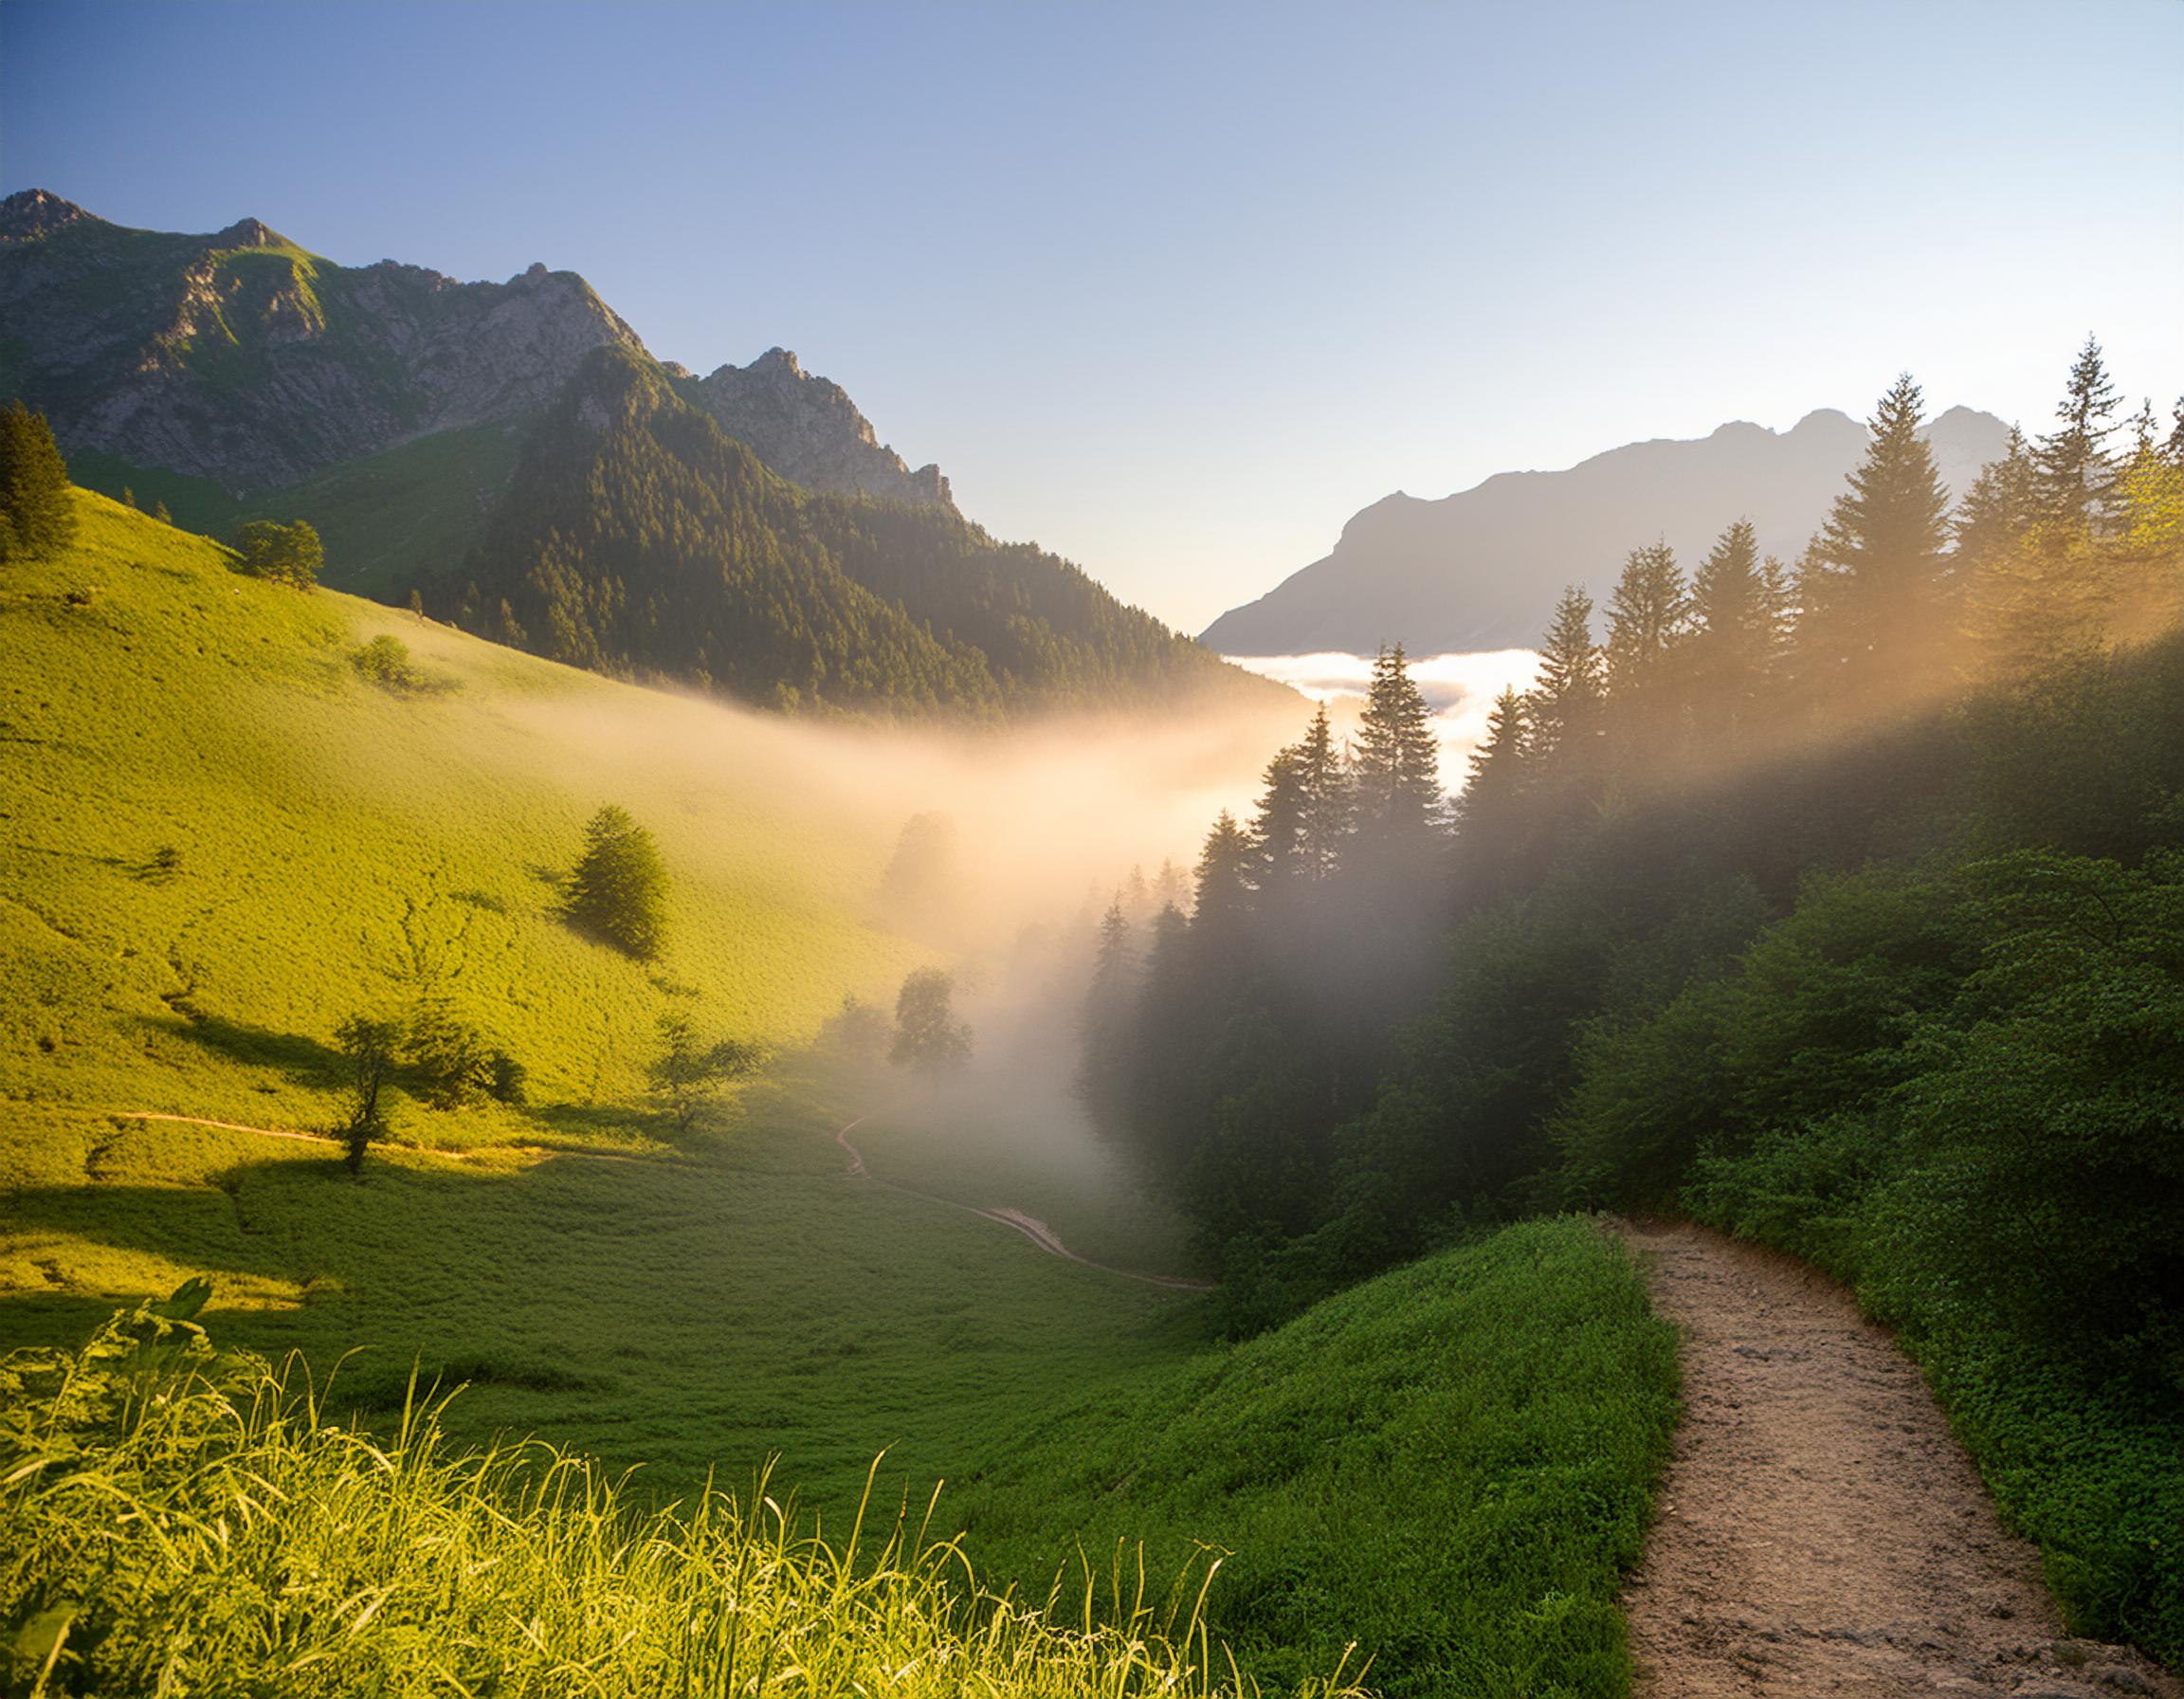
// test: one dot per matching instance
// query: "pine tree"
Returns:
(1497, 769)
(1563, 708)
(618, 892)
(1398, 776)
(37, 510)
(1325, 788)
(1996, 511)
(1732, 644)
(160, 512)
(1110, 1004)
(1278, 828)
(2075, 475)
(1224, 878)
(1649, 616)
(1872, 580)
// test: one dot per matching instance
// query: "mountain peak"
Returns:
(32, 212)
(807, 429)
(249, 232)
(1481, 569)
(1823, 418)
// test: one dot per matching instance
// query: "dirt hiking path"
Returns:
(1820, 1529)
(1015, 1219)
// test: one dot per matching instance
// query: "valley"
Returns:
(649, 1047)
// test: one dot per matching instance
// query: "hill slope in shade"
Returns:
(637, 540)
(1480, 570)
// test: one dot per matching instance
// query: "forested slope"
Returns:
(1834, 903)
(635, 538)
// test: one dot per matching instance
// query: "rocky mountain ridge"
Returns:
(1481, 569)
(245, 360)
(809, 431)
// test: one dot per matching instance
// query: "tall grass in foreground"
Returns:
(177, 1519)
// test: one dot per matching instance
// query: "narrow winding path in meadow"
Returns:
(1015, 1219)
(1820, 1530)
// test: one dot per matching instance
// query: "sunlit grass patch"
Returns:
(181, 1519)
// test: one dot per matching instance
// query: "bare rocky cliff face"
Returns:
(240, 358)
(246, 359)
(808, 430)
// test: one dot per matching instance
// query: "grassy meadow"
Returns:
(337, 847)
(221, 839)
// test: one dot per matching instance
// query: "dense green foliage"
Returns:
(287, 553)
(267, 1549)
(618, 891)
(927, 1035)
(1450, 1466)
(1956, 1088)
(637, 540)
(37, 510)
(1840, 909)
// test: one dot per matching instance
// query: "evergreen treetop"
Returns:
(37, 510)
(618, 892)
(2076, 475)
(1397, 771)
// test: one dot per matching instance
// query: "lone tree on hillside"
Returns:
(370, 1046)
(688, 1074)
(927, 1035)
(618, 893)
(37, 514)
(286, 554)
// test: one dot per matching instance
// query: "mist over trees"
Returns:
(1362, 1033)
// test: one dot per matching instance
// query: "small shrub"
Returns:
(448, 1061)
(619, 892)
(927, 1035)
(505, 1079)
(386, 661)
(689, 1075)
(369, 1045)
(290, 554)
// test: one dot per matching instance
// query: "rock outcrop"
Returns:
(246, 359)
(808, 430)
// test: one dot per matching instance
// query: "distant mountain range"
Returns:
(513, 452)
(1481, 570)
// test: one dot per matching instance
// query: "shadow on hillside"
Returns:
(305, 1061)
(603, 1125)
(288, 1219)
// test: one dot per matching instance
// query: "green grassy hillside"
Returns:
(1449, 1465)
(387, 519)
(340, 847)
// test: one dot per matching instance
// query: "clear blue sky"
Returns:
(1173, 288)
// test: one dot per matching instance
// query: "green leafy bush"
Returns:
(287, 553)
(619, 891)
